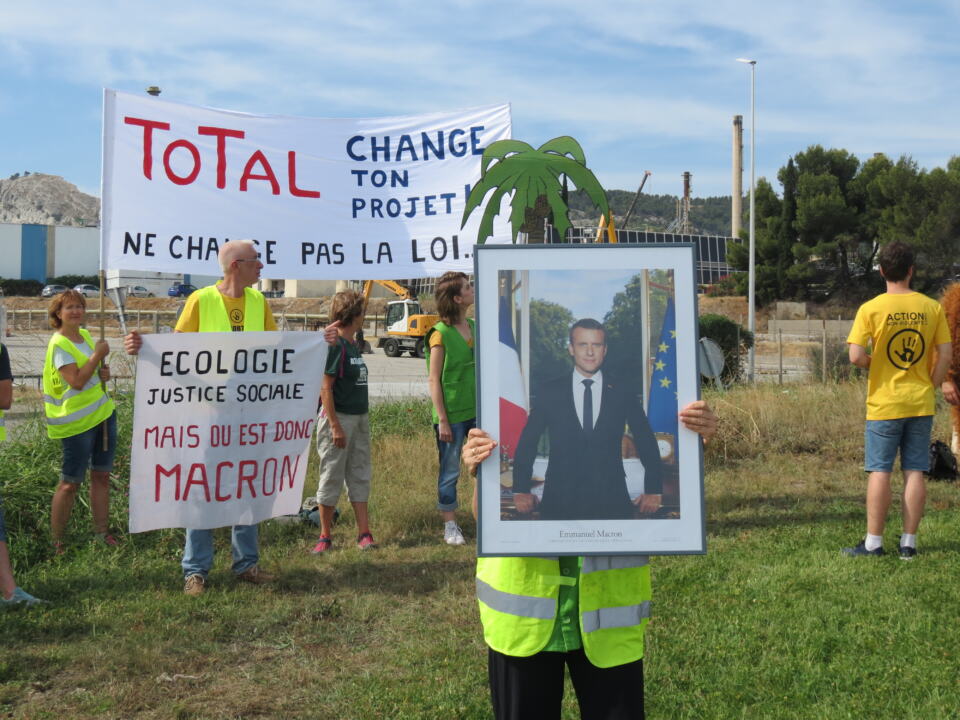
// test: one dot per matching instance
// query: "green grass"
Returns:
(771, 623)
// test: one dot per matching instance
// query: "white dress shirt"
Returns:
(595, 392)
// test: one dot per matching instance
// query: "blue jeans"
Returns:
(449, 460)
(198, 550)
(911, 436)
(86, 450)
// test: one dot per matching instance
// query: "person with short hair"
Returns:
(233, 304)
(343, 426)
(77, 409)
(450, 367)
(584, 412)
(10, 593)
(910, 356)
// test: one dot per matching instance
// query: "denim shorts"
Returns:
(911, 436)
(86, 450)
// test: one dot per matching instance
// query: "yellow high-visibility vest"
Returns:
(518, 599)
(213, 311)
(70, 412)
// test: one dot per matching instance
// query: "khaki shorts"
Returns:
(349, 466)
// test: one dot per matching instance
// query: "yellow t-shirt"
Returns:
(437, 339)
(190, 317)
(904, 330)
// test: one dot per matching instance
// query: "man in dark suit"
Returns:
(584, 415)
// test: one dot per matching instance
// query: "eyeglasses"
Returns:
(256, 259)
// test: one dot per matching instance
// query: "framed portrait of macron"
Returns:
(585, 354)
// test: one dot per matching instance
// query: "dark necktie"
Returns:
(587, 406)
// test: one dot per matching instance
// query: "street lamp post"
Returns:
(751, 285)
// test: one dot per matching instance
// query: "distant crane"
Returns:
(626, 218)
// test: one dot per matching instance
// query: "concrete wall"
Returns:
(811, 328)
(309, 288)
(10, 250)
(36, 244)
(76, 251)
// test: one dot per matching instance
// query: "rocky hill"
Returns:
(51, 200)
(46, 200)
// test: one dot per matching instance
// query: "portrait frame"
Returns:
(527, 299)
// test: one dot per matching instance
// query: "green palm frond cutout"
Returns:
(513, 166)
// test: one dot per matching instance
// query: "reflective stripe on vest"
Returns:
(520, 605)
(213, 311)
(79, 414)
(596, 563)
(617, 617)
(92, 382)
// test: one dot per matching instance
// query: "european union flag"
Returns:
(662, 411)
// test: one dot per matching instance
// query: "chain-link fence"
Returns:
(28, 334)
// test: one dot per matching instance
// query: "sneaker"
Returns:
(256, 576)
(365, 542)
(907, 552)
(107, 539)
(21, 597)
(194, 585)
(323, 545)
(861, 549)
(453, 535)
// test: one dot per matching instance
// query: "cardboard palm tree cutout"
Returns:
(533, 176)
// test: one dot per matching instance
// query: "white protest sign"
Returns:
(221, 427)
(376, 198)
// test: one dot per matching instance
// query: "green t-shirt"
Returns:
(345, 363)
(566, 629)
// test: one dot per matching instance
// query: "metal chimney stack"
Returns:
(736, 203)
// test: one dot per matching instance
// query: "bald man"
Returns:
(230, 305)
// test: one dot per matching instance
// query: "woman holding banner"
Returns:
(79, 413)
(343, 429)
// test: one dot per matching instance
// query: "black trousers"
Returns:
(531, 688)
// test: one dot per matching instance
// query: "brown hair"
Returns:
(896, 259)
(449, 286)
(346, 307)
(589, 324)
(57, 303)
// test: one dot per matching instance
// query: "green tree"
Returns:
(549, 336)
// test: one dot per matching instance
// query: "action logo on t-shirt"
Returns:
(906, 348)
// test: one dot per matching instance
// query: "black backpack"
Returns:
(943, 465)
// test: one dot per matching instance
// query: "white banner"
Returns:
(221, 427)
(375, 198)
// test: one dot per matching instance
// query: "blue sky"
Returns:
(643, 85)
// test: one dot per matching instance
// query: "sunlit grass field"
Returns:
(771, 623)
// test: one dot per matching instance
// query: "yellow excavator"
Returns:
(406, 323)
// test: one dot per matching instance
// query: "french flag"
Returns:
(513, 396)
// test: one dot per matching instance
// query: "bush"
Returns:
(725, 286)
(28, 288)
(725, 332)
(74, 280)
(839, 368)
